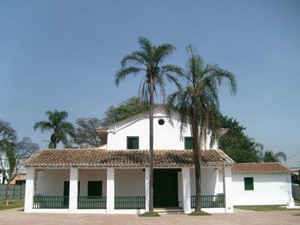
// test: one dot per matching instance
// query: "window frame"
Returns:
(133, 138)
(94, 182)
(248, 183)
(188, 141)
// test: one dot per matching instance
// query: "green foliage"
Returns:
(148, 61)
(59, 127)
(85, 133)
(8, 136)
(242, 148)
(125, 110)
(15, 152)
(270, 156)
(236, 144)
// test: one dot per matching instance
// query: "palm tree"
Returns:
(59, 127)
(148, 62)
(270, 156)
(198, 105)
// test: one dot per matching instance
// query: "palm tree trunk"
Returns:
(197, 158)
(151, 206)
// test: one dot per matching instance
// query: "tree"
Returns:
(148, 61)
(270, 156)
(59, 127)
(127, 109)
(198, 105)
(236, 144)
(16, 154)
(7, 135)
(85, 132)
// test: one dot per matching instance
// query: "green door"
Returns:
(165, 188)
(66, 192)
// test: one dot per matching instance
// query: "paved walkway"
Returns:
(240, 217)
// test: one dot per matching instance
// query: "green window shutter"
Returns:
(188, 143)
(132, 142)
(94, 188)
(248, 183)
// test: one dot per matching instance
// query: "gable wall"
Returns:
(166, 137)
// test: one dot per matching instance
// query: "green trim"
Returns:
(210, 201)
(130, 202)
(132, 142)
(248, 183)
(188, 142)
(50, 202)
(91, 202)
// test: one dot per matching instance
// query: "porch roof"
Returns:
(124, 158)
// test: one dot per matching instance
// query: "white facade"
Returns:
(269, 189)
(166, 136)
(123, 182)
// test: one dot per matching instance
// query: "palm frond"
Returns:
(124, 72)
(43, 126)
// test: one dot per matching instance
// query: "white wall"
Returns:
(51, 181)
(166, 136)
(129, 182)
(209, 180)
(86, 175)
(268, 189)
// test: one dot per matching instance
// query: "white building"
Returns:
(115, 178)
(261, 184)
(3, 167)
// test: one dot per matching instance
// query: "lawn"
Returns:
(261, 207)
(12, 204)
(265, 207)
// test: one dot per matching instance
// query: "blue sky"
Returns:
(63, 55)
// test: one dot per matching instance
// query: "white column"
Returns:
(29, 190)
(73, 192)
(147, 180)
(186, 189)
(110, 195)
(227, 180)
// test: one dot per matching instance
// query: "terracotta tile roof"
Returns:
(260, 168)
(123, 158)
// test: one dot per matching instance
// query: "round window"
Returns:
(161, 122)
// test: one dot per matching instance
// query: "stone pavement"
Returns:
(239, 217)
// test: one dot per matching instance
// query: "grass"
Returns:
(261, 207)
(12, 204)
(149, 214)
(265, 207)
(197, 213)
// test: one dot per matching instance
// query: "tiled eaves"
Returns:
(124, 158)
(272, 168)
